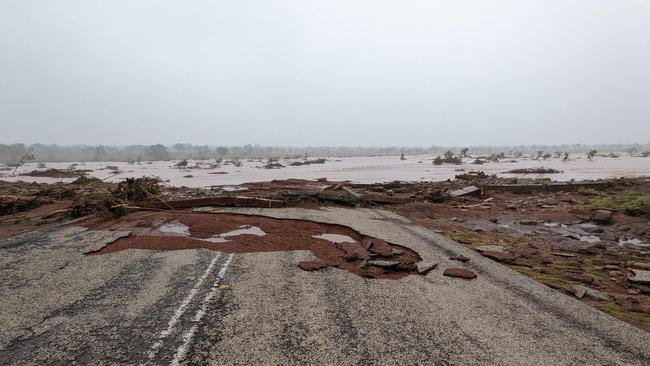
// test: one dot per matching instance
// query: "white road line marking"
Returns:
(181, 309)
(182, 350)
(187, 337)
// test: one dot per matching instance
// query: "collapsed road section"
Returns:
(334, 245)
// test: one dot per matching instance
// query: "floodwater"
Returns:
(243, 230)
(355, 169)
(335, 238)
(175, 228)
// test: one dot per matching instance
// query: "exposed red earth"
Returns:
(366, 256)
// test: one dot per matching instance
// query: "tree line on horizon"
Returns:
(15, 153)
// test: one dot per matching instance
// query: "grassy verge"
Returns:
(632, 203)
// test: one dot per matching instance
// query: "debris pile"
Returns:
(57, 173)
(533, 171)
(308, 162)
(116, 201)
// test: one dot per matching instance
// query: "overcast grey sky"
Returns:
(334, 72)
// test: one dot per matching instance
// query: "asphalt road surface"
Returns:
(201, 307)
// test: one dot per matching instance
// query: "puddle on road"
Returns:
(335, 238)
(589, 238)
(175, 227)
(232, 188)
(635, 242)
(243, 230)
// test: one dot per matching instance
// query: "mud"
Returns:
(279, 235)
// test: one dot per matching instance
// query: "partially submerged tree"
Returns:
(23, 159)
(449, 158)
(591, 154)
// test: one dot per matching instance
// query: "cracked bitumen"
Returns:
(61, 306)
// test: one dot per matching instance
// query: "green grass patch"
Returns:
(632, 203)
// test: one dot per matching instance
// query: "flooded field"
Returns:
(355, 169)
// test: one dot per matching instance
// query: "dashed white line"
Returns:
(187, 337)
(181, 308)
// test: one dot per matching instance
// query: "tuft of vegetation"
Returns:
(448, 158)
(632, 203)
(137, 189)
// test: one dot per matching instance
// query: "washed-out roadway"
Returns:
(204, 307)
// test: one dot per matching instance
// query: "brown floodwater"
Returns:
(355, 169)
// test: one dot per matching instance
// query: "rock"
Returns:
(528, 222)
(580, 277)
(466, 191)
(644, 289)
(380, 247)
(593, 249)
(312, 265)
(562, 254)
(369, 245)
(364, 263)
(383, 263)
(461, 258)
(640, 265)
(549, 201)
(640, 276)
(611, 267)
(460, 273)
(489, 248)
(615, 273)
(591, 228)
(581, 291)
(498, 256)
(601, 215)
(396, 251)
(424, 268)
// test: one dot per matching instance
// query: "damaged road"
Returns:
(68, 298)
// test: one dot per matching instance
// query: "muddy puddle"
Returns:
(334, 245)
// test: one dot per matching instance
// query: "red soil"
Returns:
(281, 235)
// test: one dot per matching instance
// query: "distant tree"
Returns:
(402, 157)
(449, 155)
(591, 154)
(99, 153)
(222, 151)
(157, 152)
(463, 152)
